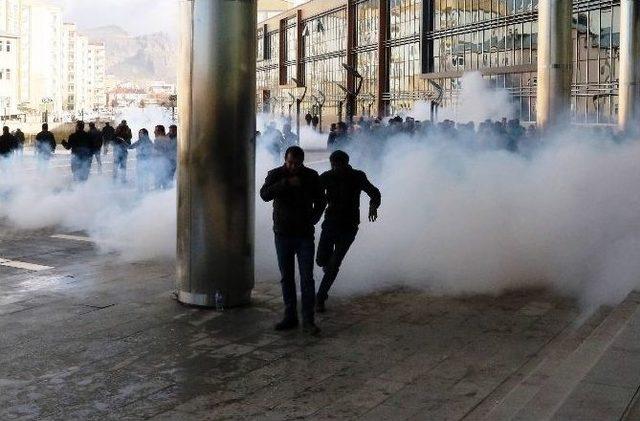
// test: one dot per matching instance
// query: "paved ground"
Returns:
(85, 337)
(94, 339)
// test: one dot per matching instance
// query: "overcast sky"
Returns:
(135, 16)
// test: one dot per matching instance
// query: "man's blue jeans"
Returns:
(287, 248)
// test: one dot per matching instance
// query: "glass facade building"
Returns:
(411, 50)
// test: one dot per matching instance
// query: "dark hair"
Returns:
(339, 157)
(92, 125)
(295, 152)
(145, 132)
(173, 126)
(80, 125)
(160, 128)
(45, 126)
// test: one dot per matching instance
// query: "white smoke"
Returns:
(476, 102)
(454, 220)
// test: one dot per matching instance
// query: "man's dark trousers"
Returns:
(287, 248)
(332, 248)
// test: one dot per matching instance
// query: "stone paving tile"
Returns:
(595, 402)
(617, 367)
(97, 339)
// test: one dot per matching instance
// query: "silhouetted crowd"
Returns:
(369, 136)
(504, 134)
(156, 160)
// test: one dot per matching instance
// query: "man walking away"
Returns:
(162, 146)
(8, 144)
(45, 146)
(96, 143)
(144, 157)
(81, 152)
(21, 140)
(108, 136)
(290, 138)
(343, 186)
(121, 145)
(298, 204)
(172, 153)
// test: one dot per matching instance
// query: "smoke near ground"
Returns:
(455, 219)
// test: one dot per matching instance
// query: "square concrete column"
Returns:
(555, 66)
(629, 69)
(216, 152)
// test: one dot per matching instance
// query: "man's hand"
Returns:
(295, 182)
(373, 215)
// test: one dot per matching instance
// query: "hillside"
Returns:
(135, 58)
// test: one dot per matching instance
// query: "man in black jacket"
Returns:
(298, 204)
(45, 143)
(343, 186)
(96, 144)
(108, 136)
(8, 143)
(81, 152)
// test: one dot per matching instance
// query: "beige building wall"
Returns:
(9, 56)
(41, 57)
(9, 80)
(269, 8)
(69, 39)
(97, 59)
(83, 95)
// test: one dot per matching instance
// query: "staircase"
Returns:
(590, 373)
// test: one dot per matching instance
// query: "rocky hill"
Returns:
(137, 58)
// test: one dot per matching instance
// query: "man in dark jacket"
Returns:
(81, 152)
(108, 135)
(121, 144)
(45, 145)
(298, 204)
(342, 186)
(19, 134)
(8, 143)
(96, 144)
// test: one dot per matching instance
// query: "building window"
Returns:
(8, 74)
(8, 46)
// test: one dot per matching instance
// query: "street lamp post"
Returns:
(298, 103)
(352, 96)
(435, 103)
(173, 100)
(319, 103)
(290, 105)
(45, 102)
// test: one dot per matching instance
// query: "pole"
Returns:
(216, 152)
(554, 62)
(298, 118)
(629, 68)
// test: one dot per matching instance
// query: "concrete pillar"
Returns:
(629, 59)
(555, 51)
(216, 153)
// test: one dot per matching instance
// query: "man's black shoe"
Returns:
(310, 328)
(287, 324)
(320, 307)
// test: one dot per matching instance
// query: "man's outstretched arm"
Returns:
(374, 195)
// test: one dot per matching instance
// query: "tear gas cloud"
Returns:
(118, 220)
(454, 219)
